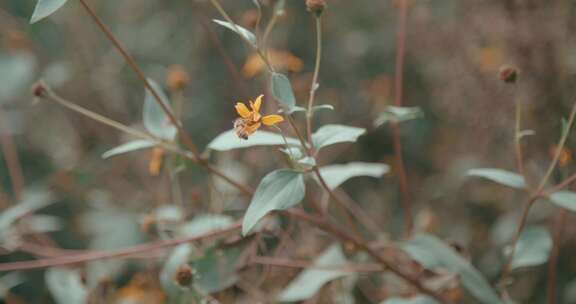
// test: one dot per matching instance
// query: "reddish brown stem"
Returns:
(398, 92)
(12, 161)
(560, 222)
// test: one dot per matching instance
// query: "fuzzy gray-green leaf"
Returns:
(282, 90)
(333, 134)
(500, 176)
(45, 8)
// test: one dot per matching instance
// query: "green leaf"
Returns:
(155, 119)
(279, 190)
(238, 30)
(216, 270)
(66, 286)
(282, 90)
(279, 7)
(533, 247)
(128, 147)
(229, 141)
(31, 201)
(398, 114)
(205, 223)
(335, 175)
(333, 134)
(9, 281)
(499, 176)
(180, 256)
(432, 253)
(45, 8)
(314, 108)
(420, 299)
(311, 280)
(564, 199)
(16, 74)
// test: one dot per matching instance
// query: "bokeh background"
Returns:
(454, 52)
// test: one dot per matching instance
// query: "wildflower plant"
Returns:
(207, 255)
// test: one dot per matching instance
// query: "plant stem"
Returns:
(314, 85)
(12, 160)
(398, 91)
(560, 222)
(536, 195)
(99, 255)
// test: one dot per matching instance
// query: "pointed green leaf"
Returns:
(432, 253)
(564, 199)
(333, 134)
(398, 114)
(335, 175)
(230, 141)
(66, 286)
(279, 190)
(238, 30)
(282, 90)
(128, 147)
(499, 176)
(155, 119)
(311, 280)
(314, 109)
(533, 247)
(45, 8)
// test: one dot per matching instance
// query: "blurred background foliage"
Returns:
(454, 51)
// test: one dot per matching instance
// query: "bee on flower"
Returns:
(251, 119)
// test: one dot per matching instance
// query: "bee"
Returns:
(241, 127)
(245, 127)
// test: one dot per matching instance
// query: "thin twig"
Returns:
(560, 222)
(11, 159)
(290, 263)
(398, 92)
(314, 85)
(99, 255)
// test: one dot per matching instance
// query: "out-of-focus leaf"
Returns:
(31, 201)
(57, 73)
(432, 253)
(279, 7)
(309, 281)
(238, 30)
(306, 162)
(155, 119)
(230, 141)
(420, 299)
(398, 114)
(216, 270)
(314, 109)
(282, 90)
(9, 281)
(533, 248)
(45, 8)
(16, 74)
(564, 199)
(66, 286)
(333, 134)
(499, 176)
(180, 256)
(42, 223)
(335, 175)
(279, 190)
(205, 223)
(128, 147)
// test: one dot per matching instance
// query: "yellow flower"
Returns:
(251, 120)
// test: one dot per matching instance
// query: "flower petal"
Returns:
(242, 110)
(270, 120)
(257, 103)
(252, 128)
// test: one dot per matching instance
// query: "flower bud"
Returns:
(508, 74)
(316, 6)
(177, 78)
(184, 275)
(39, 89)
